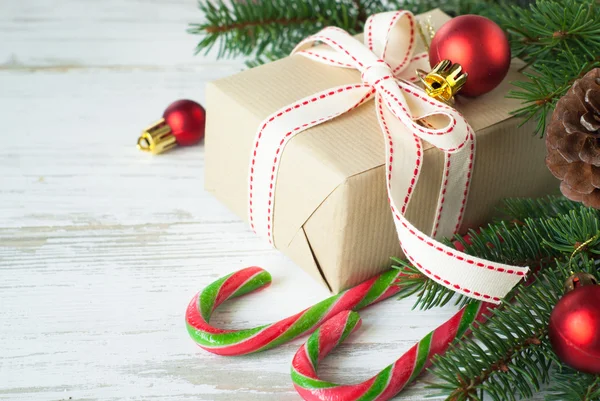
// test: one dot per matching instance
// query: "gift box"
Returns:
(331, 213)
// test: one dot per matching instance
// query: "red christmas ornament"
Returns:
(183, 124)
(574, 327)
(479, 46)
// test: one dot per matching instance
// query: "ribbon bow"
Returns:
(406, 116)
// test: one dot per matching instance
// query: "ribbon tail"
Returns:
(474, 277)
(470, 276)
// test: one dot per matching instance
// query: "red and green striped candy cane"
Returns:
(241, 342)
(391, 380)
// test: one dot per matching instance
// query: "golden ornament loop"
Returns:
(157, 138)
(444, 80)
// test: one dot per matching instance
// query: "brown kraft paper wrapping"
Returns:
(332, 215)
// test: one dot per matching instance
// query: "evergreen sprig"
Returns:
(546, 83)
(569, 384)
(560, 40)
(546, 207)
(510, 356)
(550, 27)
(265, 30)
(267, 27)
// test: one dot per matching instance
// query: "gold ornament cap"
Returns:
(444, 80)
(580, 279)
(157, 138)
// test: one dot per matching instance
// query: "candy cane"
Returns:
(241, 342)
(391, 380)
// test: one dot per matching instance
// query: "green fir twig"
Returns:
(560, 41)
(266, 30)
(571, 385)
(510, 356)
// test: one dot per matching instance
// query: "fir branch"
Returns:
(568, 234)
(265, 30)
(571, 385)
(560, 40)
(546, 83)
(549, 27)
(550, 206)
(510, 356)
(251, 28)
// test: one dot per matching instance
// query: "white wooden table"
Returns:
(102, 246)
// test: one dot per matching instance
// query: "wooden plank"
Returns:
(74, 34)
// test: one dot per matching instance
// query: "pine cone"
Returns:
(573, 141)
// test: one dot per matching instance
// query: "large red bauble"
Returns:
(187, 120)
(574, 329)
(479, 46)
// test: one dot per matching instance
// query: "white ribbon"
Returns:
(406, 116)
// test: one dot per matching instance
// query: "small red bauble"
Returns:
(183, 124)
(187, 120)
(574, 329)
(479, 45)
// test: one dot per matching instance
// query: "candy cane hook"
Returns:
(391, 380)
(241, 342)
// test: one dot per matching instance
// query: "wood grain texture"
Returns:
(102, 247)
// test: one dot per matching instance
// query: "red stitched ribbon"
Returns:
(406, 116)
